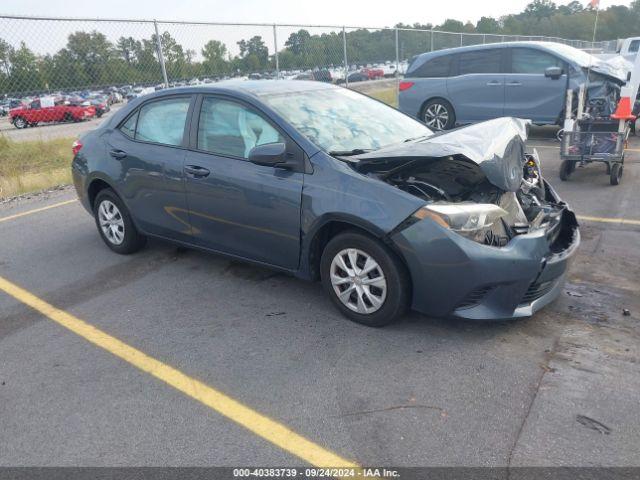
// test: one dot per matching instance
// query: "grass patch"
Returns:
(34, 165)
(386, 95)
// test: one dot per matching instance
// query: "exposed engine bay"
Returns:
(476, 180)
(457, 180)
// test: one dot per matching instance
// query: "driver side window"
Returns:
(231, 129)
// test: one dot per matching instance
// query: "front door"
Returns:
(528, 92)
(235, 206)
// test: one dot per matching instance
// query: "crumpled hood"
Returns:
(617, 67)
(496, 146)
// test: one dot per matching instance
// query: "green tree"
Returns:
(540, 9)
(127, 48)
(488, 25)
(254, 53)
(298, 41)
(92, 52)
(6, 50)
(214, 53)
(25, 74)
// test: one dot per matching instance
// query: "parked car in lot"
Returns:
(101, 104)
(354, 77)
(324, 182)
(522, 79)
(373, 73)
(35, 113)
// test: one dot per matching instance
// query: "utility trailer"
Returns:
(597, 133)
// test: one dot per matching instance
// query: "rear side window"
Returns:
(129, 127)
(528, 60)
(437, 67)
(633, 46)
(480, 61)
(163, 121)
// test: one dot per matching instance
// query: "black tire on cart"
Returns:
(608, 165)
(566, 168)
(616, 173)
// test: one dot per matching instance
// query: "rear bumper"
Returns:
(456, 277)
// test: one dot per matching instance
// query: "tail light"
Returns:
(76, 147)
(405, 86)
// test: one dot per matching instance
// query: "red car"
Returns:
(373, 73)
(34, 113)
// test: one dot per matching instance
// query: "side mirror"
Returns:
(553, 73)
(270, 155)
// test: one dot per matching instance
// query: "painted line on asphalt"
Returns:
(36, 210)
(622, 221)
(257, 423)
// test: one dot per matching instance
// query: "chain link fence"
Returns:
(83, 59)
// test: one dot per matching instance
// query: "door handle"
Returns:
(494, 83)
(196, 171)
(119, 154)
(514, 84)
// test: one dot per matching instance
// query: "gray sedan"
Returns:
(325, 183)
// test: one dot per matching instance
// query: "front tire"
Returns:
(20, 123)
(364, 279)
(115, 224)
(438, 114)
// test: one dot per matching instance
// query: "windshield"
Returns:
(341, 120)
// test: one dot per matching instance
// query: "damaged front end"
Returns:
(493, 238)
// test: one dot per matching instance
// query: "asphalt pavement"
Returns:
(560, 388)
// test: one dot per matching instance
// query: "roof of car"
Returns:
(484, 46)
(254, 87)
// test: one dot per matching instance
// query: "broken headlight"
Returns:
(471, 220)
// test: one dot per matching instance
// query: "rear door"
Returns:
(148, 152)
(476, 85)
(235, 206)
(528, 92)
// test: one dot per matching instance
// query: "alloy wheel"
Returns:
(111, 222)
(358, 281)
(19, 122)
(436, 116)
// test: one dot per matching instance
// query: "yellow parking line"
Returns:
(36, 210)
(623, 221)
(259, 424)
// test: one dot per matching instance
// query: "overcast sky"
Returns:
(350, 12)
(45, 37)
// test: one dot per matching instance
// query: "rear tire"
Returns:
(438, 114)
(374, 293)
(115, 224)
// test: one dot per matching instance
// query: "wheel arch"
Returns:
(330, 226)
(95, 186)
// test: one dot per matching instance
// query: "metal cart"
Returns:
(595, 141)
